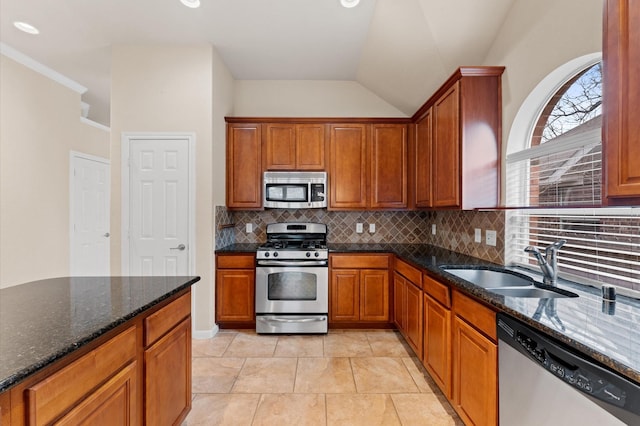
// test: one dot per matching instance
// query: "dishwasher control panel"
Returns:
(572, 367)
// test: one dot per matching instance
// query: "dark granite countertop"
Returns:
(42, 321)
(609, 334)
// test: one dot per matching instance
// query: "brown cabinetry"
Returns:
(244, 166)
(99, 386)
(359, 288)
(408, 304)
(475, 361)
(167, 360)
(291, 146)
(139, 373)
(368, 166)
(437, 333)
(348, 177)
(459, 129)
(235, 290)
(621, 85)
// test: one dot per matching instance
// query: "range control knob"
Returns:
(275, 254)
(317, 254)
(267, 254)
(308, 254)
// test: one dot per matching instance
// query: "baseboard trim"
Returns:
(205, 334)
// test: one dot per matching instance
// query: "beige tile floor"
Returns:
(342, 378)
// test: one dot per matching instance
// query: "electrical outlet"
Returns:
(491, 238)
(372, 228)
(248, 228)
(433, 229)
(478, 235)
(359, 229)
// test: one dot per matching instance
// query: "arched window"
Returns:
(556, 174)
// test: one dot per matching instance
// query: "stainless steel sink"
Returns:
(488, 278)
(528, 292)
(507, 283)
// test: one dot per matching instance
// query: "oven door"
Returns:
(292, 290)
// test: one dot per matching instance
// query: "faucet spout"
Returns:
(549, 262)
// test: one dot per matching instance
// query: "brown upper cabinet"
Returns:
(244, 166)
(458, 141)
(621, 83)
(368, 166)
(291, 146)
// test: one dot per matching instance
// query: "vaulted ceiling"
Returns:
(402, 50)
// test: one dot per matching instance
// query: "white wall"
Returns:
(40, 125)
(171, 89)
(536, 38)
(308, 98)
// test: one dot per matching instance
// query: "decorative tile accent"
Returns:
(454, 229)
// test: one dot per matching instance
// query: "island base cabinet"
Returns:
(475, 375)
(85, 388)
(112, 404)
(5, 409)
(168, 377)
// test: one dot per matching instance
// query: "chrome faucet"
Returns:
(549, 262)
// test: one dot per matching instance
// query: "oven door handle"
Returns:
(276, 319)
(292, 263)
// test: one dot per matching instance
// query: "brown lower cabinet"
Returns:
(141, 374)
(359, 288)
(408, 304)
(475, 361)
(437, 343)
(235, 290)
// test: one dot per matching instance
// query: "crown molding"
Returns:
(36, 66)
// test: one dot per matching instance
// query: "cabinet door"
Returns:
(446, 149)
(422, 160)
(374, 295)
(389, 166)
(399, 300)
(235, 295)
(345, 295)
(244, 166)
(475, 375)
(348, 167)
(621, 85)
(414, 318)
(437, 344)
(168, 377)
(310, 147)
(113, 403)
(280, 147)
(5, 404)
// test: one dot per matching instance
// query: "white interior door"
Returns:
(90, 205)
(159, 206)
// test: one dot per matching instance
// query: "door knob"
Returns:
(180, 247)
(106, 235)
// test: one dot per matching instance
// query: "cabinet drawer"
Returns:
(476, 314)
(228, 261)
(369, 261)
(56, 394)
(437, 290)
(160, 322)
(412, 273)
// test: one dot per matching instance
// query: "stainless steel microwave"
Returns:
(295, 190)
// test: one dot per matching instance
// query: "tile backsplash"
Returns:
(454, 229)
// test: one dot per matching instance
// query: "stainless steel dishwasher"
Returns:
(544, 382)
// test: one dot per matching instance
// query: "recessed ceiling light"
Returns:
(193, 4)
(349, 3)
(27, 28)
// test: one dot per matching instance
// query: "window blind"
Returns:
(566, 171)
(603, 245)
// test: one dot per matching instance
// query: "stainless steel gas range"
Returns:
(292, 279)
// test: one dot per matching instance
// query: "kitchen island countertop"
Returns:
(42, 321)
